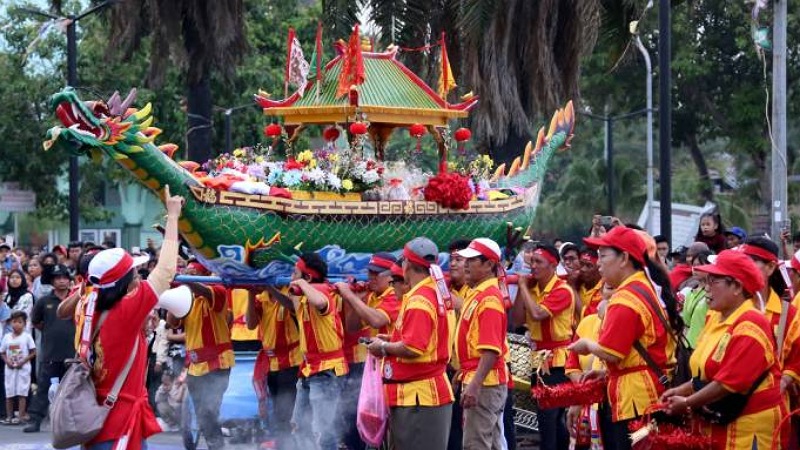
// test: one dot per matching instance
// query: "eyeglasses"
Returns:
(712, 280)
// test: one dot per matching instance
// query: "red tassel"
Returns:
(569, 394)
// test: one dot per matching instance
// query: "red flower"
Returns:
(292, 164)
(451, 190)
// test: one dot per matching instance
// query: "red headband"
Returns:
(115, 273)
(201, 269)
(381, 262)
(795, 264)
(758, 252)
(588, 257)
(485, 251)
(414, 258)
(546, 255)
(305, 270)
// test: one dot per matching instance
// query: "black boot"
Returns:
(33, 426)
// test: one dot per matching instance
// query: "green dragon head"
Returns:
(94, 126)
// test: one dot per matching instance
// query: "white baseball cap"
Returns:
(482, 247)
(109, 266)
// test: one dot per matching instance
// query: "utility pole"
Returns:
(780, 216)
(229, 123)
(72, 80)
(665, 116)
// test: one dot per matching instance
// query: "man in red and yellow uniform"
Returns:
(546, 305)
(321, 344)
(481, 348)
(417, 388)
(208, 352)
(278, 360)
(591, 291)
(458, 289)
(632, 316)
(365, 316)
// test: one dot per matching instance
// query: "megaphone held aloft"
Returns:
(178, 301)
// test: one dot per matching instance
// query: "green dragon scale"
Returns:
(252, 229)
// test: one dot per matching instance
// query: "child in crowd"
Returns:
(711, 232)
(169, 398)
(17, 350)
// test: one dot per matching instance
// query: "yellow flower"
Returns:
(312, 163)
(347, 185)
(259, 159)
(238, 152)
(305, 155)
(333, 157)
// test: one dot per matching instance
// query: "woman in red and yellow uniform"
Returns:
(277, 362)
(764, 254)
(632, 316)
(418, 391)
(735, 332)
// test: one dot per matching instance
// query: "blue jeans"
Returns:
(317, 400)
(109, 445)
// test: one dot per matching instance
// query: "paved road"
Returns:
(12, 438)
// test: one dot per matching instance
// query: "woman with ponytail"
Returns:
(123, 302)
(639, 309)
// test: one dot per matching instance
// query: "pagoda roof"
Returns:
(390, 94)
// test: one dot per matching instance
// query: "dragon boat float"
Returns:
(247, 212)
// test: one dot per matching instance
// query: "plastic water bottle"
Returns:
(51, 393)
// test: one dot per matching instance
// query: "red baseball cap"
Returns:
(623, 239)
(737, 265)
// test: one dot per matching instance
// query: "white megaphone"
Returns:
(178, 301)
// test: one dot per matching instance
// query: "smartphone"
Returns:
(606, 221)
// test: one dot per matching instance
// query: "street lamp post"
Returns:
(229, 123)
(665, 115)
(72, 80)
(650, 226)
(608, 121)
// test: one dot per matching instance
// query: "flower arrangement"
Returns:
(309, 170)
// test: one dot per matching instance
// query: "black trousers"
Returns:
(615, 435)
(456, 439)
(509, 428)
(348, 407)
(41, 403)
(553, 431)
(282, 387)
(206, 392)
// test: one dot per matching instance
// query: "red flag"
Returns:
(288, 62)
(353, 73)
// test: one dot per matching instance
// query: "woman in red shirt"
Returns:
(128, 301)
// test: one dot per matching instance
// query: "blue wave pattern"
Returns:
(341, 265)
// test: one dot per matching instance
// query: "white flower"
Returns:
(370, 177)
(333, 181)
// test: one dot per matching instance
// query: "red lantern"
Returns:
(358, 128)
(417, 130)
(273, 130)
(462, 135)
(330, 134)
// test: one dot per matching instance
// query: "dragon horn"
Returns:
(128, 100)
(113, 103)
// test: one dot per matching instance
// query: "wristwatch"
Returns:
(383, 348)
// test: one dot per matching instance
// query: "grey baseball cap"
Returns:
(424, 248)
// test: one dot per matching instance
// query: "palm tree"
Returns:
(200, 36)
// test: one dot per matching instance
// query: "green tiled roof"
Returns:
(386, 85)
